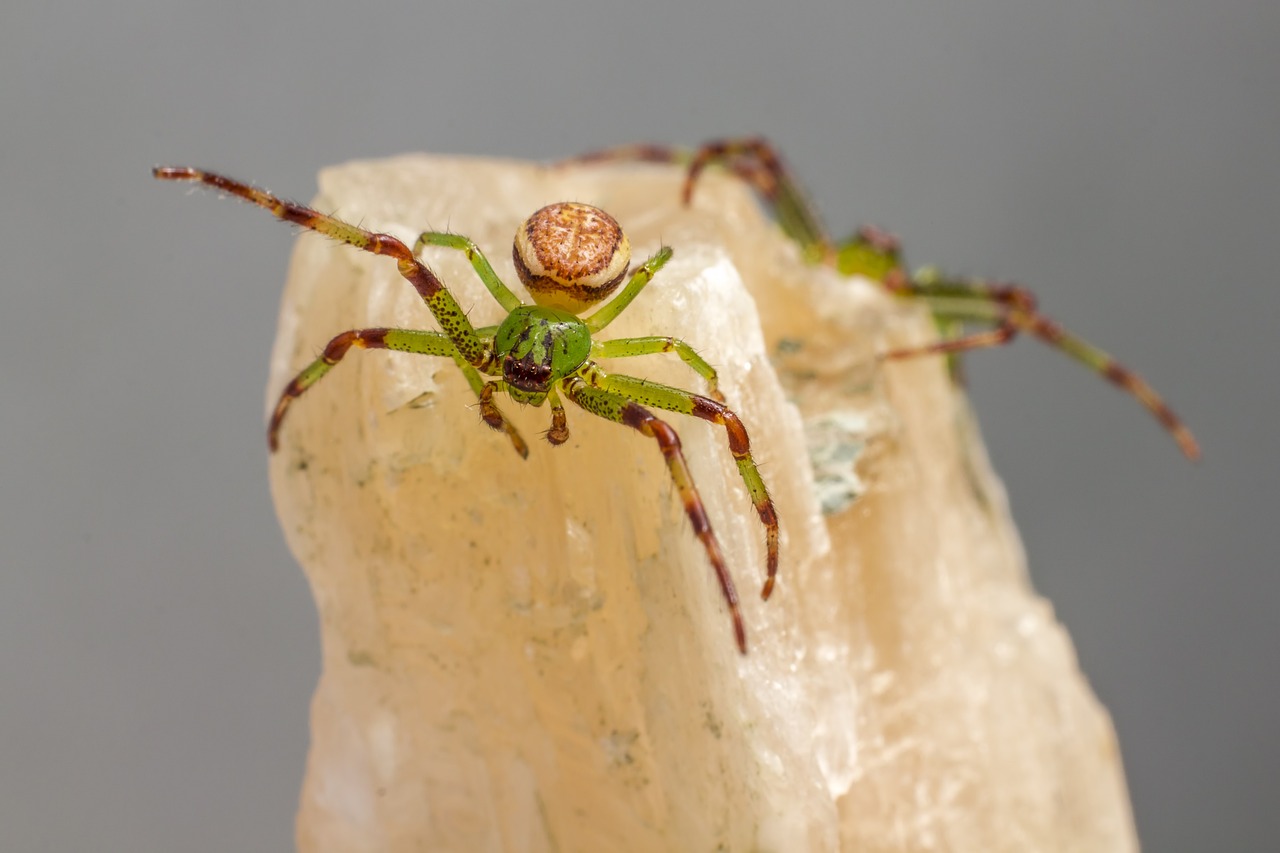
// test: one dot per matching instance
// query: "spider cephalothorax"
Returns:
(570, 256)
(1004, 310)
(538, 347)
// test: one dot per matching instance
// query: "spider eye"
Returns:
(570, 255)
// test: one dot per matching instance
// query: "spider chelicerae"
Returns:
(570, 257)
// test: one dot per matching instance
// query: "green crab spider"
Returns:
(570, 257)
(1001, 309)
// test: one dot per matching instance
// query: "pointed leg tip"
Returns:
(767, 590)
(739, 630)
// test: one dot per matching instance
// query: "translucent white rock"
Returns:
(532, 655)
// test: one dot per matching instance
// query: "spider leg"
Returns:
(678, 400)
(618, 408)
(1013, 309)
(641, 277)
(755, 161)
(639, 152)
(559, 431)
(675, 155)
(877, 255)
(489, 411)
(628, 347)
(508, 300)
(404, 340)
(453, 320)
(1000, 335)
(779, 189)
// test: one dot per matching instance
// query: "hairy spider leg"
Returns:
(1012, 309)
(756, 162)
(491, 414)
(671, 399)
(619, 409)
(508, 300)
(641, 277)
(403, 340)
(452, 319)
(473, 350)
(1018, 306)
(651, 345)
(559, 430)
(876, 254)
(782, 193)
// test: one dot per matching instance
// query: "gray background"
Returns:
(158, 644)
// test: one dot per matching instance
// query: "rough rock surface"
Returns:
(532, 655)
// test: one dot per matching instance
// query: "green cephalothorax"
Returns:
(1002, 311)
(570, 256)
(538, 347)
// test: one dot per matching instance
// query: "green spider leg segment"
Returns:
(618, 408)
(508, 300)
(628, 347)
(877, 255)
(452, 319)
(570, 256)
(658, 396)
(403, 340)
(639, 279)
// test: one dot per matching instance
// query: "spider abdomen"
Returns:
(571, 255)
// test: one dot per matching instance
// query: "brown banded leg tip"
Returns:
(739, 629)
(172, 173)
(767, 590)
(686, 194)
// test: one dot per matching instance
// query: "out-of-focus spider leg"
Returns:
(877, 254)
(1011, 309)
(754, 160)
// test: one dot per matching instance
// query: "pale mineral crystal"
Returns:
(533, 655)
